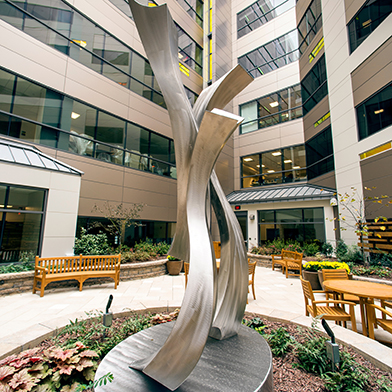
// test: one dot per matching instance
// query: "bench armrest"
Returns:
(37, 267)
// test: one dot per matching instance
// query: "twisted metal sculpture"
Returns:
(213, 305)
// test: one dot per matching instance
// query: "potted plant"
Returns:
(174, 265)
(310, 273)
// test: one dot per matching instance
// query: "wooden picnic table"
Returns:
(366, 291)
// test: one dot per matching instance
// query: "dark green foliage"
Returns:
(327, 249)
(310, 249)
(256, 322)
(91, 244)
(381, 259)
(350, 376)
(280, 341)
(105, 379)
(341, 249)
(312, 355)
(22, 267)
(99, 338)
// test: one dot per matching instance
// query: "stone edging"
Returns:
(19, 282)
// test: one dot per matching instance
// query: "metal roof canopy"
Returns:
(12, 152)
(281, 193)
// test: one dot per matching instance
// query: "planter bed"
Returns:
(23, 281)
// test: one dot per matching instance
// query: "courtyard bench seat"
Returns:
(80, 268)
(288, 260)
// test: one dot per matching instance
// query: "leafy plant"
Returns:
(12, 268)
(256, 322)
(52, 369)
(381, 259)
(341, 249)
(171, 258)
(327, 249)
(91, 244)
(310, 249)
(280, 341)
(106, 378)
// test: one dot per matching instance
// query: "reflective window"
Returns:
(375, 113)
(371, 15)
(271, 56)
(274, 167)
(309, 25)
(20, 231)
(314, 86)
(41, 115)
(300, 224)
(85, 42)
(260, 12)
(319, 154)
(282, 106)
(194, 8)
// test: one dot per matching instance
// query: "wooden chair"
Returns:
(251, 270)
(335, 312)
(385, 304)
(186, 271)
(277, 260)
(293, 262)
(329, 274)
(383, 322)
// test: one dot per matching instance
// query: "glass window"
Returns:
(274, 167)
(309, 25)
(7, 81)
(319, 154)
(375, 113)
(302, 224)
(273, 55)
(3, 191)
(26, 199)
(314, 86)
(371, 15)
(282, 106)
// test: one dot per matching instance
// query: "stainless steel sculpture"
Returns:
(213, 305)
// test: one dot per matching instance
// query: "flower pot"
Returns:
(313, 278)
(174, 267)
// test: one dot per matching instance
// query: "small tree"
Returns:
(352, 212)
(120, 218)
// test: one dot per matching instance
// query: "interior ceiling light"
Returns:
(296, 167)
(366, 23)
(74, 115)
(274, 104)
(270, 171)
(287, 161)
(262, 165)
(276, 153)
(248, 159)
(257, 165)
(378, 111)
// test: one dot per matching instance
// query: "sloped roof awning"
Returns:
(12, 152)
(276, 194)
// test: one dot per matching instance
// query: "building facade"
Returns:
(75, 83)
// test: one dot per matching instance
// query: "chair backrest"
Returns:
(251, 268)
(334, 274)
(307, 290)
(186, 268)
(288, 254)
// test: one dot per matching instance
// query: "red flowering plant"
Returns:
(51, 369)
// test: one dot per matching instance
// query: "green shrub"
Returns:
(353, 255)
(381, 259)
(310, 249)
(91, 244)
(162, 248)
(280, 341)
(256, 322)
(12, 268)
(341, 249)
(327, 249)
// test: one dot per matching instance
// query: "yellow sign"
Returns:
(184, 69)
(316, 50)
(377, 150)
(322, 119)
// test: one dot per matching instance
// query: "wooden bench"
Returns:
(80, 268)
(288, 260)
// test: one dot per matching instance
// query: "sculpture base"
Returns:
(241, 363)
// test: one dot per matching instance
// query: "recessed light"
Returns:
(296, 167)
(248, 159)
(270, 171)
(287, 161)
(74, 115)
(257, 165)
(274, 104)
(276, 154)
(378, 111)
(262, 165)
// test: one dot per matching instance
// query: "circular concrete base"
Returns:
(242, 363)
